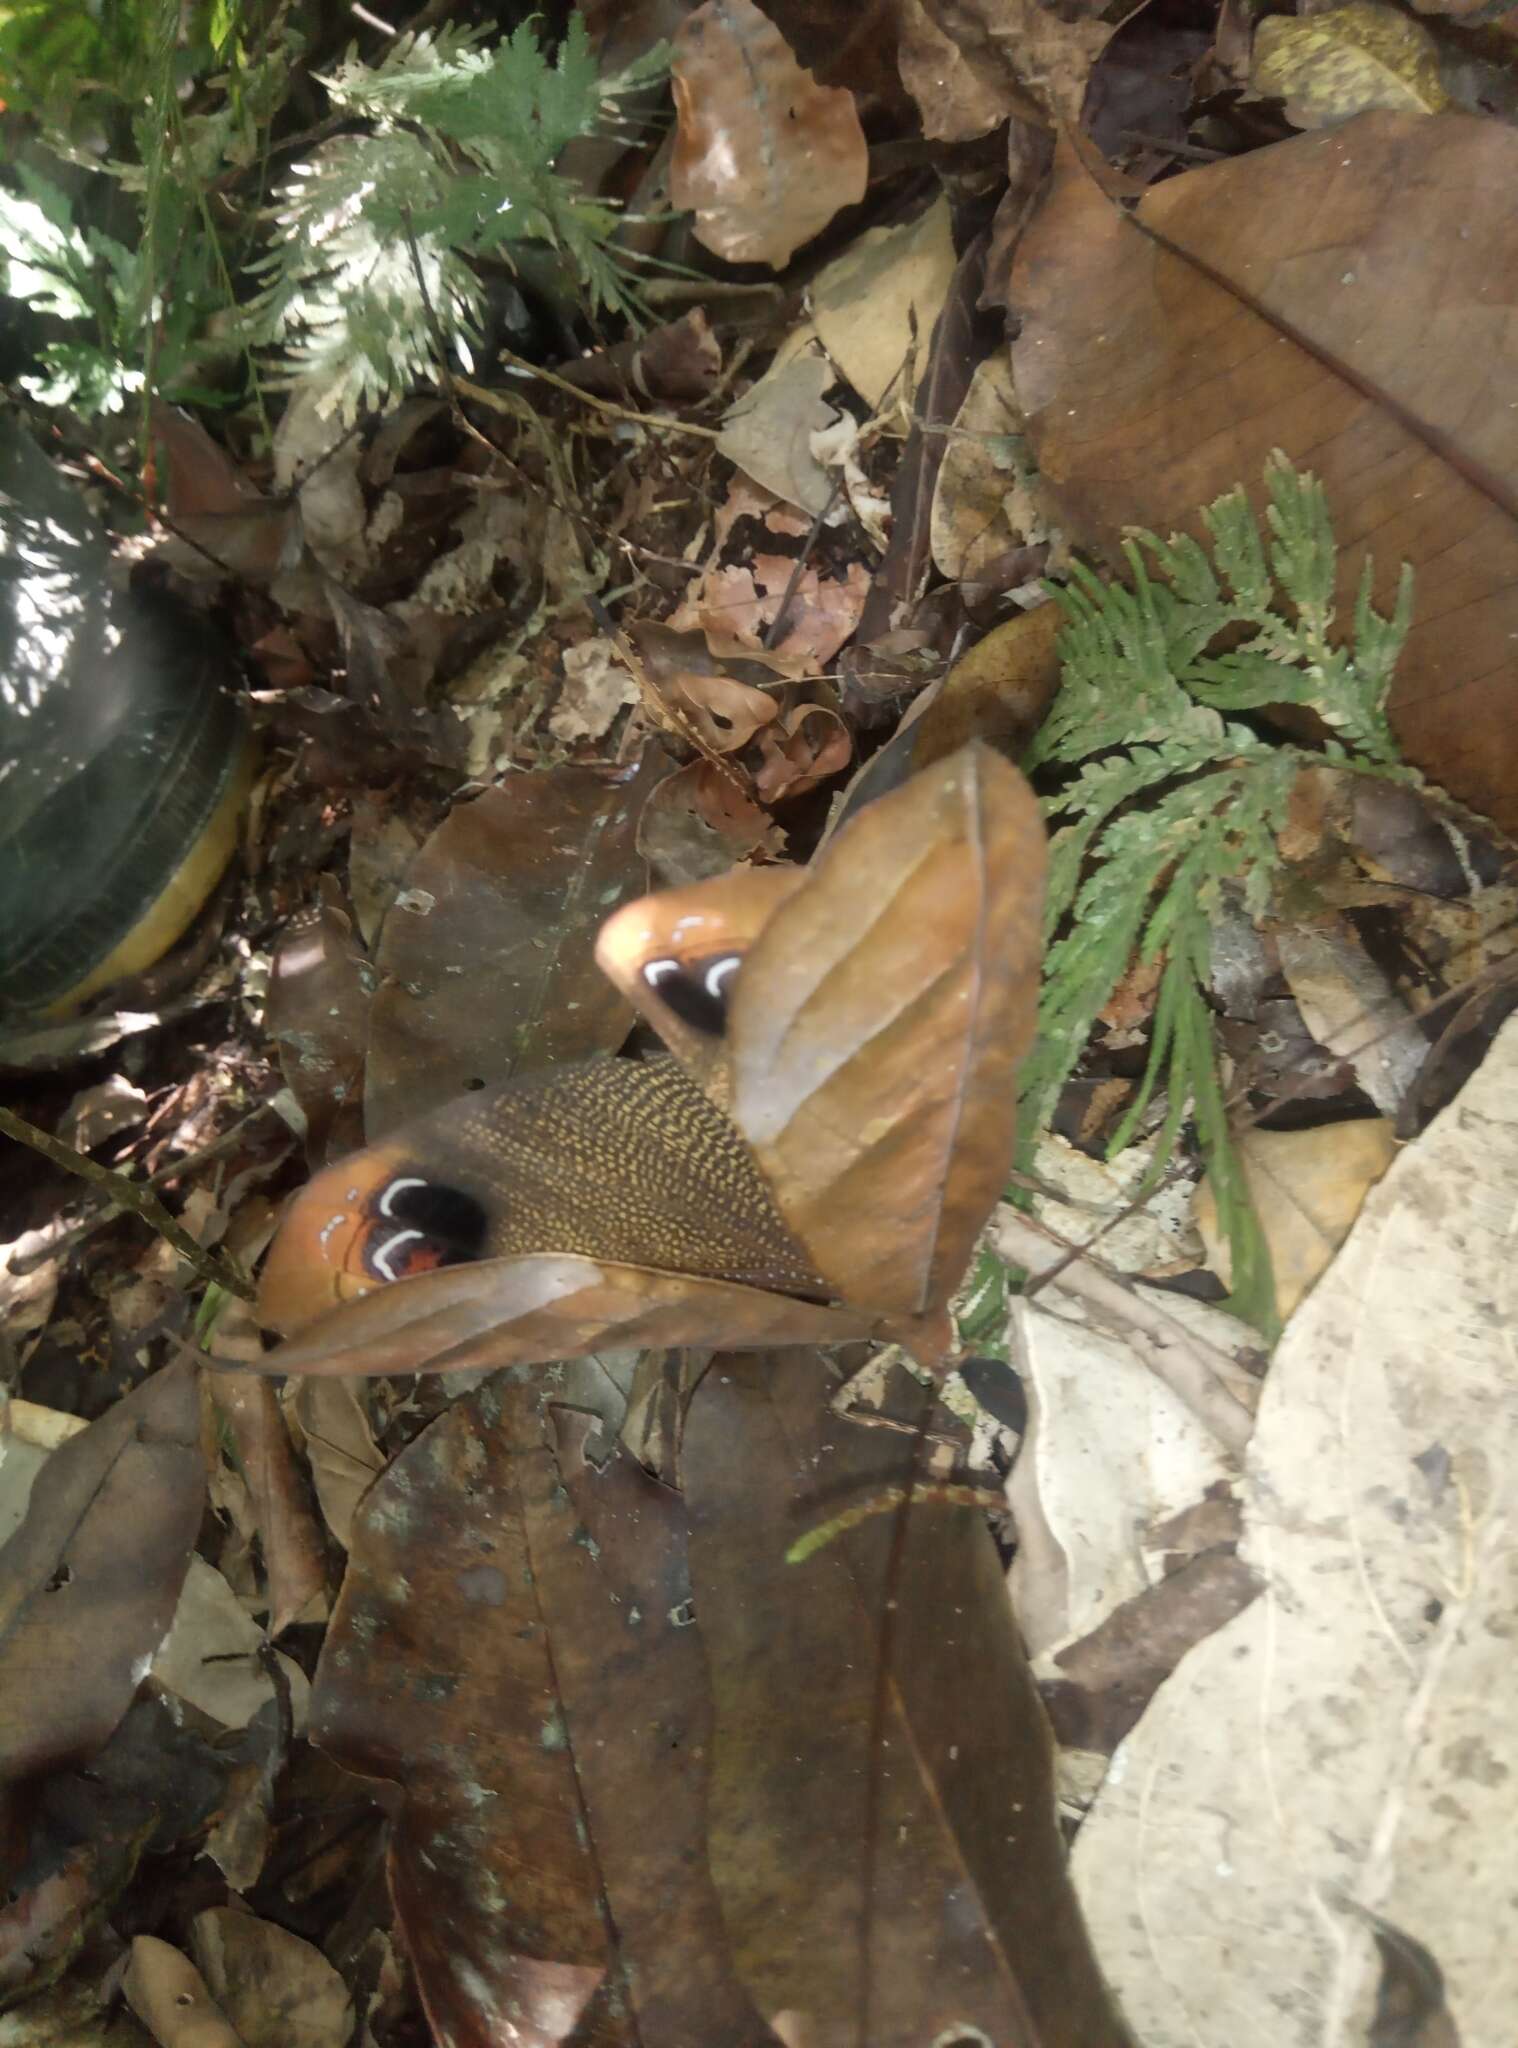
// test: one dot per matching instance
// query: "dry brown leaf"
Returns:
(1336, 296)
(1039, 57)
(877, 1026)
(982, 506)
(317, 1012)
(763, 154)
(965, 1932)
(956, 98)
(725, 713)
(695, 825)
(294, 1555)
(90, 1580)
(332, 1418)
(735, 607)
(486, 956)
(521, 1580)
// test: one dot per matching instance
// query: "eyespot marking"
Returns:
(695, 991)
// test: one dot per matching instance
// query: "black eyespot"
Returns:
(696, 990)
(419, 1225)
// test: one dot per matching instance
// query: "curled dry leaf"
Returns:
(763, 154)
(486, 956)
(90, 1580)
(290, 1536)
(804, 748)
(726, 714)
(1335, 296)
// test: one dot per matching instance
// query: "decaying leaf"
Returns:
(89, 1582)
(763, 154)
(1038, 57)
(1344, 1749)
(539, 1606)
(597, 687)
(277, 1990)
(957, 98)
(1335, 296)
(485, 957)
(1110, 1455)
(1346, 60)
(332, 1420)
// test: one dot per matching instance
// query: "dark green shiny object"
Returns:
(124, 757)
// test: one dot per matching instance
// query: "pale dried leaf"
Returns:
(1307, 1188)
(875, 305)
(1327, 66)
(1349, 1740)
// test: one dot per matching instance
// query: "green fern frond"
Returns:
(1171, 808)
(372, 267)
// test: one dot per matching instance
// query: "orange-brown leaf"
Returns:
(878, 1024)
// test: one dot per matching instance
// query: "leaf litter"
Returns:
(634, 1776)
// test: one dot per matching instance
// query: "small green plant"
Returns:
(373, 265)
(1173, 806)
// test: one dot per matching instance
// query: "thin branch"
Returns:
(132, 1195)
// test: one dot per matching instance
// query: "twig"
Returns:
(129, 1194)
(497, 403)
(1214, 1386)
(188, 1162)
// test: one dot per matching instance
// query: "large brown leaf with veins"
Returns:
(1347, 297)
